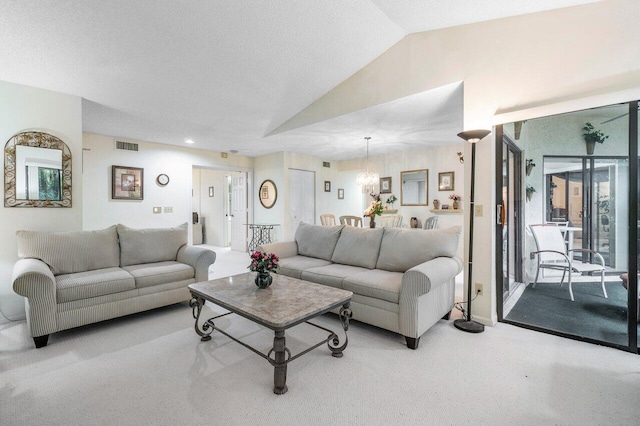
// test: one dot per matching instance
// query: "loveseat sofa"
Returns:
(70, 279)
(402, 280)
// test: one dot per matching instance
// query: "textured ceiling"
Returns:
(224, 74)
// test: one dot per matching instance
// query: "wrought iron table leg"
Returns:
(196, 308)
(280, 370)
(345, 315)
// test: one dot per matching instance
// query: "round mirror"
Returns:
(268, 194)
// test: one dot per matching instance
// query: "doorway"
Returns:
(302, 196)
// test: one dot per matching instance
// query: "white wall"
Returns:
(272, 167)
(100, 211)
(27, 108)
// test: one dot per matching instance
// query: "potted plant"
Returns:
(455, 198)
(392, 199)
(530, 165)
(375, 209)
(263, 264)
(530, 190)
(592, 136)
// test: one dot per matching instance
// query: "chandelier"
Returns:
(368, 180)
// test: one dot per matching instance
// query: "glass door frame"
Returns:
(518, 203)
(633, 220)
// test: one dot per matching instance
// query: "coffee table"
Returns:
(285, 304)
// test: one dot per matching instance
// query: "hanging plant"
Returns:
(592, 136)
(530, 190)
(530, 165)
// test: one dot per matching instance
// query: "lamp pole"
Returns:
(467, 324)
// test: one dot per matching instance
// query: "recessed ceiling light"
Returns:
(189, 141)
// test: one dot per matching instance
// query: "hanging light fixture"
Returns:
(368, 180)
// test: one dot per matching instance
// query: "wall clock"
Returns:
(162, 179)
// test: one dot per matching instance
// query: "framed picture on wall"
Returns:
(127, 183)
(340, 194)
(385, 185)
(446, 181)
(264, 192)
(211, 191)
(327, 186)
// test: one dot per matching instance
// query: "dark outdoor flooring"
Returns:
(591, 315)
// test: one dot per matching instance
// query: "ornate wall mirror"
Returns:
(415, 187)
(268, 194)
(37, 171)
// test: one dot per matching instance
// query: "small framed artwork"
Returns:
(327, 186)
(340, 194)
(446, 181)
(385, 185)
(211, 191)
(444, 207)
(127, 183)
(264, 192)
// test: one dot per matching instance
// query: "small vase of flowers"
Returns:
(455, 198)
(375, 209)
(263, 264)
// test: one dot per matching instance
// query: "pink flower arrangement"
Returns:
(263, 262)
(455, 197)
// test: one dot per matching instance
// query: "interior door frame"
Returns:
(518, 179)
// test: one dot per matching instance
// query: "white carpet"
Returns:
(151, 368)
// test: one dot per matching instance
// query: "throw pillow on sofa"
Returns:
(402, 249)
(317, 241)
(150, 245)
(71, 252)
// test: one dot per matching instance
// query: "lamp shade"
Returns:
(474, 136)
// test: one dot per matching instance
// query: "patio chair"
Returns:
(552, 253)
(390, 220)
(431, 223)
(327, 220)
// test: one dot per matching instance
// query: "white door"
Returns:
(302, 197)
(239, 211)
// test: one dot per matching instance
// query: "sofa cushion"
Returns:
(150, 245)
(402, 249)
(375, 283)
(358, 247)
(71, 252)
(150, 274)
(317, 241)
(331, 275)
(88, 284)
(294, 265)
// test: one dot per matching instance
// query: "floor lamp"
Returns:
(467, 324)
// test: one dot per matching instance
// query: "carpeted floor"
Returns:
(590, 315)
(152, 368)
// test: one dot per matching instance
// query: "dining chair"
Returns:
(327, 220)
(390, 220)
(351, 221)
(552, 253)
(431, 223)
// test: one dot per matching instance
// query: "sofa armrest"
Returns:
(281, 249)
(422, 278)
(199, 259)
(33, 279)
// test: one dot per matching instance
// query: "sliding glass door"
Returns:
(585, 198)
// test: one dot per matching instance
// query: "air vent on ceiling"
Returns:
(126, 146)
(326, 164)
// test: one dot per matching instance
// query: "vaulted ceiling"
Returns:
(228, 73)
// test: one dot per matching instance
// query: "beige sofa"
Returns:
(402, 280)
(70, 279)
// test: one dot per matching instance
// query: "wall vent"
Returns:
(326, 164)
(126, 146)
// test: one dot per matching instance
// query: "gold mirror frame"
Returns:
(426, 185)
(36, 140)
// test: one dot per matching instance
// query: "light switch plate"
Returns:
(168, 209)
(157, 210)
(478, 209)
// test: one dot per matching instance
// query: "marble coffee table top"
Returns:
(285, 303)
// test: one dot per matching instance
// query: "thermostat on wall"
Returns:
(162, 179)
